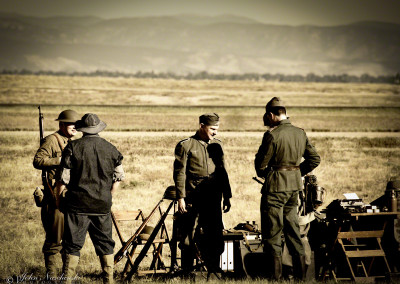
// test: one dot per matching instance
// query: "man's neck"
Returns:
(203, 137)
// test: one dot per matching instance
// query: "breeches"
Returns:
(279, 214)
(99, 228)
(53, 224)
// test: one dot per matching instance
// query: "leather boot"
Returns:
(187, 260)
(107, 265)
(70, 262)
(299, 267)
(51, 265)
(277, 273)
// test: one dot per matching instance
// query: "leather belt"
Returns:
(286, 168)
(196, 177)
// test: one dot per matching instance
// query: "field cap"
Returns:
(209, 119)
(68, 115)
(90, 123)
(274, 102)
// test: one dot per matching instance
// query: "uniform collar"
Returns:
(284, 121)
(197, 137)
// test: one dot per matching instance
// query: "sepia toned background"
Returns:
(354, 126)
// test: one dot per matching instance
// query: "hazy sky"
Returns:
(290, 12)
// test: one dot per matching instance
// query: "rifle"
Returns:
(45, 181)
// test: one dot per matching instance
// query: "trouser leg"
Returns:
(293, 238)
(53, 224)
(187, 257)
(186, 225)
(277, 272)
(100, 232)
(299, 267)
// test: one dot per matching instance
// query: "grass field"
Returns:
(361, 159)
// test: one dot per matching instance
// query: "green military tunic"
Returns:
(195, 161)
(285, 145)
(279, 161)
(200, 177)
(48, 158)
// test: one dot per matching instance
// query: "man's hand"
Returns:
(58, 190)
(226, 205)
(182, 206)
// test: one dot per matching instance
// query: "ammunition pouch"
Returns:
(38, 196)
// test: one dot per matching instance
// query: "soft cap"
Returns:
(274, 102)
(209, 119)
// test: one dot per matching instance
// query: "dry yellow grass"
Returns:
(360, 162)
(361, 165)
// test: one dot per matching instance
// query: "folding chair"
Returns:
(126, 216)
(129, 246)
(151, 241)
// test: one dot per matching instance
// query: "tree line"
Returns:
(204, 75)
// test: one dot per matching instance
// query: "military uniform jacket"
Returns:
(48, 156)
(285, 145)
(195, 161)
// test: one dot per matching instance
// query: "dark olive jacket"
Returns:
(285, 145)
(197, 161)
(48, 156)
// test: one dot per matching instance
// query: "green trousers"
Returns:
(279, 214)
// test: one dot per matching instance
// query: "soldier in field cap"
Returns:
(201, 182)
(279, 162)
(91, 170)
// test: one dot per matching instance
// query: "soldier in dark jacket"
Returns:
(91, 170)
(48, 158)
(201, 182)
(279, 162)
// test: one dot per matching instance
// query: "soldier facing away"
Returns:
(48, 158)
(91, 170)
(279, 162)
(201, 182)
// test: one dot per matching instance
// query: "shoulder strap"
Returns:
(60, 142)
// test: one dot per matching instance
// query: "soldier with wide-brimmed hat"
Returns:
(48, 158)
(279, 162)
(91, 170)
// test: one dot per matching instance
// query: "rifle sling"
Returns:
(60, 142)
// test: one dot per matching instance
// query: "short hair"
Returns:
(278, 110)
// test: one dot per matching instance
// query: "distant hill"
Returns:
(185, 44)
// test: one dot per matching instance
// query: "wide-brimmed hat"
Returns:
(90, 123)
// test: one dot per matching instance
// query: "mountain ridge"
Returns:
(188, 43)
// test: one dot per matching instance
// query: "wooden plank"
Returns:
(128, 215)
(375, 214)
(360, 234)
(146, 272)
(365, 253)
